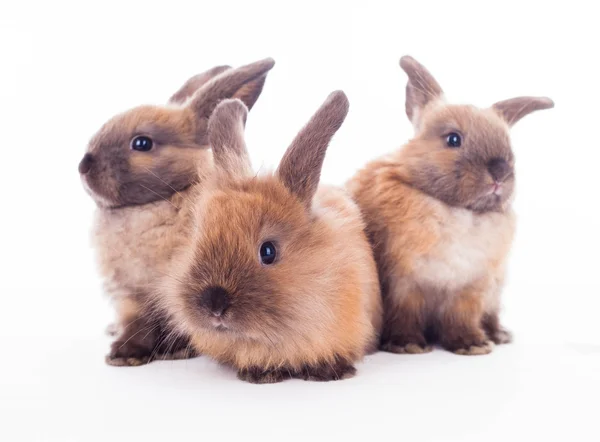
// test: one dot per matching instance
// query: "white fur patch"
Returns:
(468, 244)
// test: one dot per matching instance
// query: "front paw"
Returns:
(325, 371)
(476, 350)
(470, 344)
(171, 349)
(494, 331)
(258, 375)
(414, 345)
(501, 336)
(128, 354)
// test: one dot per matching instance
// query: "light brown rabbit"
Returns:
(279, 280)
(140, 168)
(438, 214)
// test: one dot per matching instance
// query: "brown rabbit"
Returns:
(439, 217)
(279, 281)
(140, 168)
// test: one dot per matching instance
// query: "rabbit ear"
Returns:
(421, 88)
(300, 167)
(226, 136)
(194, 83)
(514, 109)
(245, 83)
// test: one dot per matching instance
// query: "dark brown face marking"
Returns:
(118, 176)
(121, 176)
(86, 164)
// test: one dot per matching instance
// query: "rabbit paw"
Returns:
(475, 350)
(128, 354)
(170, 349)
(494, 331)
(412, 345)
(475, 343)
(501, 336)
(465, 339)
(412, 348)
(326, 371)
(258, 375)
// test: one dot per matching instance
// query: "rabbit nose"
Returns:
(86, 163)
(216, 300)
(499, 169)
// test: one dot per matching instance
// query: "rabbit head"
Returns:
(150, 152)
(461, 154)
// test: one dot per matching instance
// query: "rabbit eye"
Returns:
(142, 143)
(453, 140)
(267, 253)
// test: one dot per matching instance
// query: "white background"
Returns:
(65, 68)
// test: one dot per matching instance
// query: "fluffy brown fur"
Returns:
(440, 221)
(317, 308)
(143, 199)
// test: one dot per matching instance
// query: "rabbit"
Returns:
(140, 168)
(183, 93)
(439, 218)
(279, 279)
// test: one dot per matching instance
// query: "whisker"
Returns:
(171, 187)
(132, 336)
(158, 194)
(333, 369)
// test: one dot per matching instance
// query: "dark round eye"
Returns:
(267, 253)
(141, 143)
(453, 140)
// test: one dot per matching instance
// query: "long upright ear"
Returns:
(194, 83)
(300, 168)
(226, 135)
(421, 89)
(514, 109)
(245, 83)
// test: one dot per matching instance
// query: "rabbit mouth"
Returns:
(218, 324)
(495, 189)
(100, 200)
(490, 201)
(492, 197)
